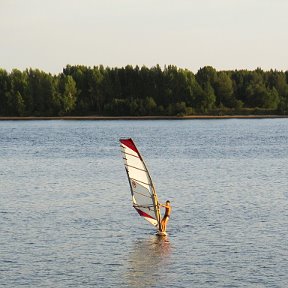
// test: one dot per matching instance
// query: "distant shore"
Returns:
(196, 117)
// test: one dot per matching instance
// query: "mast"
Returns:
(157, 208)
(155, 199)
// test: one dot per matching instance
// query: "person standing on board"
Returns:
(165, 219)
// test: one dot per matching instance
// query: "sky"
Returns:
(225, 34)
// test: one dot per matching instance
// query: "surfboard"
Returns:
(161, 233)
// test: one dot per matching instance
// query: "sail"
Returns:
(144, 196)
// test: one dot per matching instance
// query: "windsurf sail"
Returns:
(144, 196)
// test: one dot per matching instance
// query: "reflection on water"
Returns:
(146, 260)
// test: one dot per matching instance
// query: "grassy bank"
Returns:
(145, 117)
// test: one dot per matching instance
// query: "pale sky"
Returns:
(225, 34)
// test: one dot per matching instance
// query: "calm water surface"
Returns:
(66, 218)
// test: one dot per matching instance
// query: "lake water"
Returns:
(66, 218)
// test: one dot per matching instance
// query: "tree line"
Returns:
(139, 91)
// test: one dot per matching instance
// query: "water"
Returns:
(66, 218)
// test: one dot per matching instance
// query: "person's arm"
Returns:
(163, 205)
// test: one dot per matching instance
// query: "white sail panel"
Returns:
(143, 193)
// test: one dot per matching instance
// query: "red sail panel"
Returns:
(130, 144)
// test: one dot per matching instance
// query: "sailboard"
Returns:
(144, 197)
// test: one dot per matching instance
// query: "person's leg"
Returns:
(161, 225)
(164, 224)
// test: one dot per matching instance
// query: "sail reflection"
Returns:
(146, 260)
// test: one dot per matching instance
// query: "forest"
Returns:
(141, 91)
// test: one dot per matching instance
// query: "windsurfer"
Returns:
(165, 219)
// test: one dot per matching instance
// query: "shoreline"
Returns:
(195, 117)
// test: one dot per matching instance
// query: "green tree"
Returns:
(18, 96)
(224, 90)
(205, 98)
(132, 90)
(283, 105)
(68, 91)
(206, 74)
(261, 97)
(79, 74)
(150, 105)
(5, 88)
(41, 93)
(19, 104)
